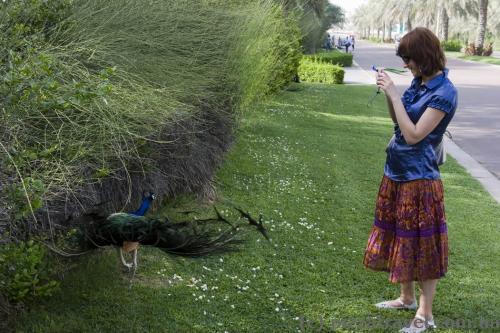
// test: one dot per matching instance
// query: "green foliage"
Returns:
(24, 274)
(332, 57)
(286, 52)
(25, 23)
(312, 71)
(267, 46)
(26, 197)
(83, 96)
(451, 45)
(314, 18)
(375, 39)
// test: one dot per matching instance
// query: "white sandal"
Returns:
(402, 305)
(419, 324)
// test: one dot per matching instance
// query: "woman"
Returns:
(409, 236)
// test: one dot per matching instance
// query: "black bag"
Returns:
(440, 149)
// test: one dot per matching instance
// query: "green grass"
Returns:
(310, 161)
(488, 60)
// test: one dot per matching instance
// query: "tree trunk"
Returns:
(445, 20)
(439, 13)
(481, 30)
(383, 32)
(378, 32)
(390, 30)
(408, 23)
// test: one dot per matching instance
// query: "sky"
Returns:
(348, 5)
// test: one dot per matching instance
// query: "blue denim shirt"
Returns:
(410, 162)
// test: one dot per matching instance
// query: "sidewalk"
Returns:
(357, 75)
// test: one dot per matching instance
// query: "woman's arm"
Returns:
(390, 106)
(413, 133)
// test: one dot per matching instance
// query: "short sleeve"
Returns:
(441, 103)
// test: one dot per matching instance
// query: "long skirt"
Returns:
(409, 236)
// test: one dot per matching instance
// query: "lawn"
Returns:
(310, 160)
(488, 60)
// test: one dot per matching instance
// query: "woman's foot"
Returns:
(419, 324)
(399, 303)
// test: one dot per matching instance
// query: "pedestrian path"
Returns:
(357, 75)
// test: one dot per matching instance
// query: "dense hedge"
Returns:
(313, 71)
(332, 57)
(451, 45)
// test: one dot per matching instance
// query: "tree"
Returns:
(481, 29)
(315, 17)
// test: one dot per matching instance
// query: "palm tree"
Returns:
(481, 29)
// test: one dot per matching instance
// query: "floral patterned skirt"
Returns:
(409, 237)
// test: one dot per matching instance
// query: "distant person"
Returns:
(327, 43)
(352, 42)
(409, 237)
(347, 44)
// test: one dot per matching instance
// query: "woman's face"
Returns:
(412, 66)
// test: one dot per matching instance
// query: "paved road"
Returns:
(476, 125)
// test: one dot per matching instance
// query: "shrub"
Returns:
(267, 46)
(312, 71)
(24, 274)
(375, 39)
(451, 45)
(472, 50)
(92, 105)
(332, 57)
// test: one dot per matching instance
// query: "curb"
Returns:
(476, 170)
(473, 62)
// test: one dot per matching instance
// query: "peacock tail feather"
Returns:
(189, 238)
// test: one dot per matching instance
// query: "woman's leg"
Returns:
(407, 295)
(427, 293)
(408, 292)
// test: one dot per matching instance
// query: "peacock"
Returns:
(188, 238)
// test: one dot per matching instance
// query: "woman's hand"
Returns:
(384, 82)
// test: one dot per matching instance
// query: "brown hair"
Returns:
(424, 48)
